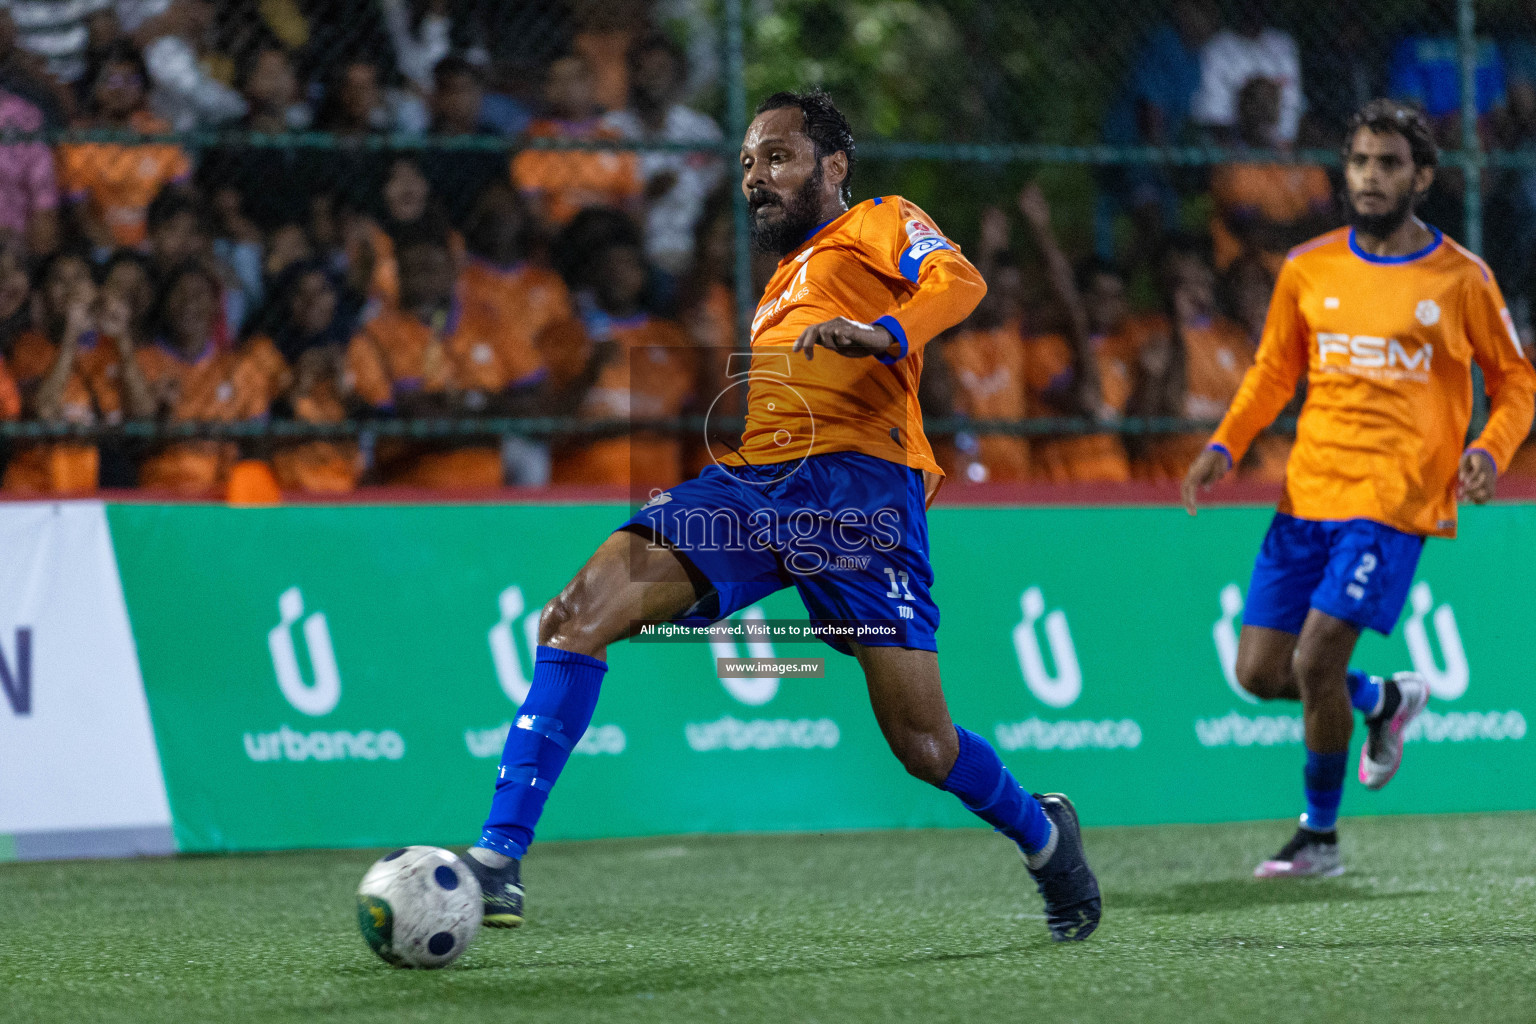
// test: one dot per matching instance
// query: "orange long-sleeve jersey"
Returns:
(1387, 344)
(882, 262)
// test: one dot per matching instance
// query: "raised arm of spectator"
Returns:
(115, 322)
(993, 241)
(175, 69)
(1058, 273)
(48, 399)
(416, 54)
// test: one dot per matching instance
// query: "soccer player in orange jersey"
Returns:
(1386, 317)
(826, 494)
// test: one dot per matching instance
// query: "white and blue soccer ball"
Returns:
(419, 906)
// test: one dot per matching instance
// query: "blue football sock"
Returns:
(1324, 781)
(991, 792)
(1364, 692)
(548, 725)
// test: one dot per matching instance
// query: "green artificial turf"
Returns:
(1435, 921)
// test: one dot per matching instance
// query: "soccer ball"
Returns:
(419, 907)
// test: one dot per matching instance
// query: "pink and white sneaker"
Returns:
(1308, 855)
(1382, 753)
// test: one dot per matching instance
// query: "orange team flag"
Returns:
(119, 181)
(882, 262)
(561, 183)
(1387, 344)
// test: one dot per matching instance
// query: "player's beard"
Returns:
(802, 210)
(1380, 225)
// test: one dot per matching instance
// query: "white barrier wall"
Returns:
(79, 774)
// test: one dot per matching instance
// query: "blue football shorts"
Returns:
(848, 531)
(1355, 569)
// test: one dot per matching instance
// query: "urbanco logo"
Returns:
(1450, 681)
(321, 696)
(504, 654)
(515, 680)
(1224, 633)
(729, 733)
(750, 691)
(1058, 690)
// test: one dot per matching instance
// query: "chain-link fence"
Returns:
(436, 242)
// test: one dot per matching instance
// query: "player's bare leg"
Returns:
(1320, 666)
(1264, 663)
(627, 582)
(909, 705)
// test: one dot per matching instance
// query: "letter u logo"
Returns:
(320, 697)
(1224, 633)
(756, 690)
(1450, 682)
(1066, 685)
(515, 683)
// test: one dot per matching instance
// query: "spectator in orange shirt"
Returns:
(508, 296)
(76, 366)
(1266, 209)
(110, 185)
(606, 31)
(707, 301)
(559, 184)
(984, 362)
(310, 325)
(619, 362)
(1087, 373)
(1192, 372)
(409, 208)
(461, 177)
(428, 358)
(193, 379)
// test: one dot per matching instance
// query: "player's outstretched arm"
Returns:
(1511, 385)
(847, 338)
(1477, 476)
(1211, 465)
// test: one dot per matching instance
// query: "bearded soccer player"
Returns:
(1386, 317)
(832, 460)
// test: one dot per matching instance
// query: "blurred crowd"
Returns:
(362, 282)
(146, 280)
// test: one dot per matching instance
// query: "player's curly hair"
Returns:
(825, 125)
(1391, 116)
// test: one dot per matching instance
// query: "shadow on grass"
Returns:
(1238, 893)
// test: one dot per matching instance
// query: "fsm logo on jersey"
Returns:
(513, 642)
(1058, 684)
(1448, 674)
(316, 697)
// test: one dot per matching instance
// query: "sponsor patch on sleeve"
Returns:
(912, 257)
